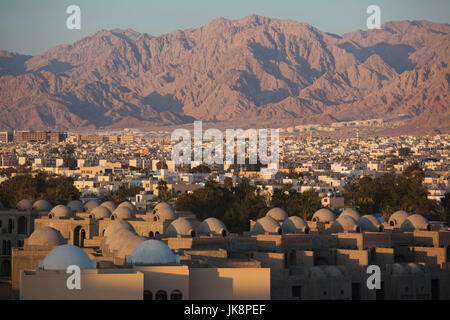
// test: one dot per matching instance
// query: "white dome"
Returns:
(101, 212)
(163, 212)
(75, 206)
(266, 225)
(128, 205)
(350, 212)
(344, 224)
(397, 218)
(212, 226)
(123, 213)
(90, 205)
(369, 222)
(46, 236)
(180, 226)
(295, 224)
(415, 222)
(277, 214)
(111, 206)
(24, 204)
(117, 225)
(42, 205)
(63, 256)
(61, 211)
(323, 215)
(123, 242)
(152, 252)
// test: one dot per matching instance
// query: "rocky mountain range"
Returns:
(251, 69)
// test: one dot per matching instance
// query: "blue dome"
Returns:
(63, 256)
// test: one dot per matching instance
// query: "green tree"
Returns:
(164, 194)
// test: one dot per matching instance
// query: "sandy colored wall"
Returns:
(229, 283)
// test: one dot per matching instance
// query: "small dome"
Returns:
(316, 273)
(344, 224)
(42, 205)
(323, 215)
(61, 211)
(63, 256)
(212, 226)
(397, 218)
(152, 252)
(295, 224)
(124, 242)
(128, 205)
(350, 212)
(415, 222)
(90, 205)
(24, 204)
(180, 226)
(333, 271)
(162, 205)
(164, 212)
(266, 225)
(277, 214)
(370, 223)
(75, 206)
(398, 269)
(111, 206)
(115, 226)
(122, 213)
(415, 268)
(46, 236)
(101, 212)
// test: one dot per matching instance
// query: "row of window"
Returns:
(162, 295)
(22, 225)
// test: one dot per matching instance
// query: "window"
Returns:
(161, 295)
(150, 234)
(297, 292)
(148, 295)
(356, 291)
(176, 295)
(10, 225)
(22, 225)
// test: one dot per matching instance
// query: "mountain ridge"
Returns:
(254, 68)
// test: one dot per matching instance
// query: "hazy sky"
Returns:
(33, 26)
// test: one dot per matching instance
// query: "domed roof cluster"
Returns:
(65, 255)
(60, 211)
(212, 226)
(101, 212)
(90, 205)
(24, 205)
(344, 224)
(277, 214)
(350, 212)
(404, 269)
(46, 236)
(75, 206)
(320, 273)
(369, 222)
(163, 211)
(397, 218)
(111, 206)
(415, 222)
(152, 252)
(122, 213)
(266, 225)
(323, 215)
(295, 224)
(128, 205)
(42, 205)
(121, 238)
(181, 227)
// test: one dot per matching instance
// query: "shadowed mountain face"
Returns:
(254, 69)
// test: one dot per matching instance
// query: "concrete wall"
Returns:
(51, 285)
(229, 283)
(166, 278)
